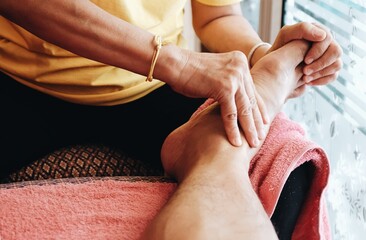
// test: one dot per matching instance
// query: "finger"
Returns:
(246, 118)
(324, 80)
(300, 84)
(319, 48)
(332, 69)
(302, 30)
(298, 91)
(262, 108)
(230, 121)
(257, 117)
(299, 73)
(331, 55)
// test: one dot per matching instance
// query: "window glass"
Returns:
(251, 9)
(335, 115)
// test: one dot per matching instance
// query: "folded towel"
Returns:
(113, 208)
(284, 149)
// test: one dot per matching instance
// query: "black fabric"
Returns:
(34, 124)
(291, 200)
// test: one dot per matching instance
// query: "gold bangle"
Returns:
(158, 44)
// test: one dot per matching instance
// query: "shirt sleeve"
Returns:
(218, 2)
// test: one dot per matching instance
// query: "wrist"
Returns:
(170, 63)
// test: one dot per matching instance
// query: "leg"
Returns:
(215, 199)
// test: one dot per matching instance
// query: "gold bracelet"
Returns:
(158, 44)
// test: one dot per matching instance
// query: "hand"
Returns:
(225, 77)
(323, 60)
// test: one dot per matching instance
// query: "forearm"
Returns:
(225, 29)
(84, 29)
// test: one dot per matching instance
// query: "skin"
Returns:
(215, 199)
(86, 30)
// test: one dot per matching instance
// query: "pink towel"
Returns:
(114, 209)
(284, 149)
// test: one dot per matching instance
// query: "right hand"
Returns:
(225, 77)
(323, 60)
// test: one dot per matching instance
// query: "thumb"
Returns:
(303, 30)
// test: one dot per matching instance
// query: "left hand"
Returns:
(323, 60)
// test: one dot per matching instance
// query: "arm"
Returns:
(224, 29)
(235, 33)
(86, 30)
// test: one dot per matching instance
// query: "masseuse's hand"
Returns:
(323, 60)
(225, 77)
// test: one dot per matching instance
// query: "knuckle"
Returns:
(231, 116)
(239, 57)
(338, 65)
(334, 49)
(318, 49)
(228, 85)
(329, 34)
(317, 75)
(330, 78)
(338, 50)
(284, 29)
(304, 26)
(251, 130)
(245, 111)
(303, 47)
(320, 65)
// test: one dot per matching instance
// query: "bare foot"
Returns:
(276, 76)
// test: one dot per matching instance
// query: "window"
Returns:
(335, 115)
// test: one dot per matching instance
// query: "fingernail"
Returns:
(255, 143)
(261, 134)
(319, 33)
(238, 141)
(309, 60)
(308, 71)
(266, 118)
(308, 79)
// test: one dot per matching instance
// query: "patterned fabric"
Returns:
(83, 161)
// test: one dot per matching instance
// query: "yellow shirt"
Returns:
(57, 72)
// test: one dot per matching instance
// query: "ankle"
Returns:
(217, 172)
